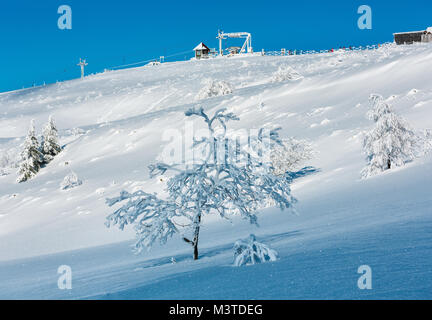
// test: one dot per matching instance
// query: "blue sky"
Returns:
(110, 33)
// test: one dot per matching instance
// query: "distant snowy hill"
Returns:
(111, 126)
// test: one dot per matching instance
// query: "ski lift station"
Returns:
(203, 52)
(245, 48)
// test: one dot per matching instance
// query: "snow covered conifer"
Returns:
(227, 179)
(391, 143)
(31, 157)
(50, 146)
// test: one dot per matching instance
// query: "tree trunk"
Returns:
(196, 237)
(195, 251)
(388, 164)
(194, 242)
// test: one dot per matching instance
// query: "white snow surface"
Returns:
(111, 126)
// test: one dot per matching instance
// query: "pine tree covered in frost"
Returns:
(50, 146)
(31, 157)
(228, 179)
(391, 143)
(250, 251)
(214, 88)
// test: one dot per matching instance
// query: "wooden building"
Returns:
(201, 51)
(412, 37)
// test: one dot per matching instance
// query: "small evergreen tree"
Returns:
(226, 180)
(50, 146)
(391, 143)
(31, 157)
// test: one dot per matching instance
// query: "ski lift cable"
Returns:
(149, 60)
(131, 64)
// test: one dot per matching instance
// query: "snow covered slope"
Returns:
(112, 125)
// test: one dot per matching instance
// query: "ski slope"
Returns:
(112, 127)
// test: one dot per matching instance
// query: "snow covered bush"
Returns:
(3, 172)
(285, 73)
(75, 132)
(426, 139)
(50, 146)
(4, 159)
(250, 251)
(9, 159)
(228, 180)
(214, 88)
(290, 155)
(70, 181)
(391, 143)
(31, 157)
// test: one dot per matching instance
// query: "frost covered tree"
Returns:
(50, 145)
(9, 160)
(214, 88)
(286, 73)
(290, 155)
(31, 157)
(390, 143)
(70, 181)
(250, 251)
(227, 179)
(426, 140)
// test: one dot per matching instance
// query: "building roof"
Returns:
(422, 31)
(201, 46)
(410, 32)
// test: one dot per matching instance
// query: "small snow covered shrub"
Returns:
(214, 88)
(4, 159)
(391, 143)
(9, 160)
(250, 251)
(3, 172)
(427, 142)
(290, 155)
(285, 73)
(70, 181)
